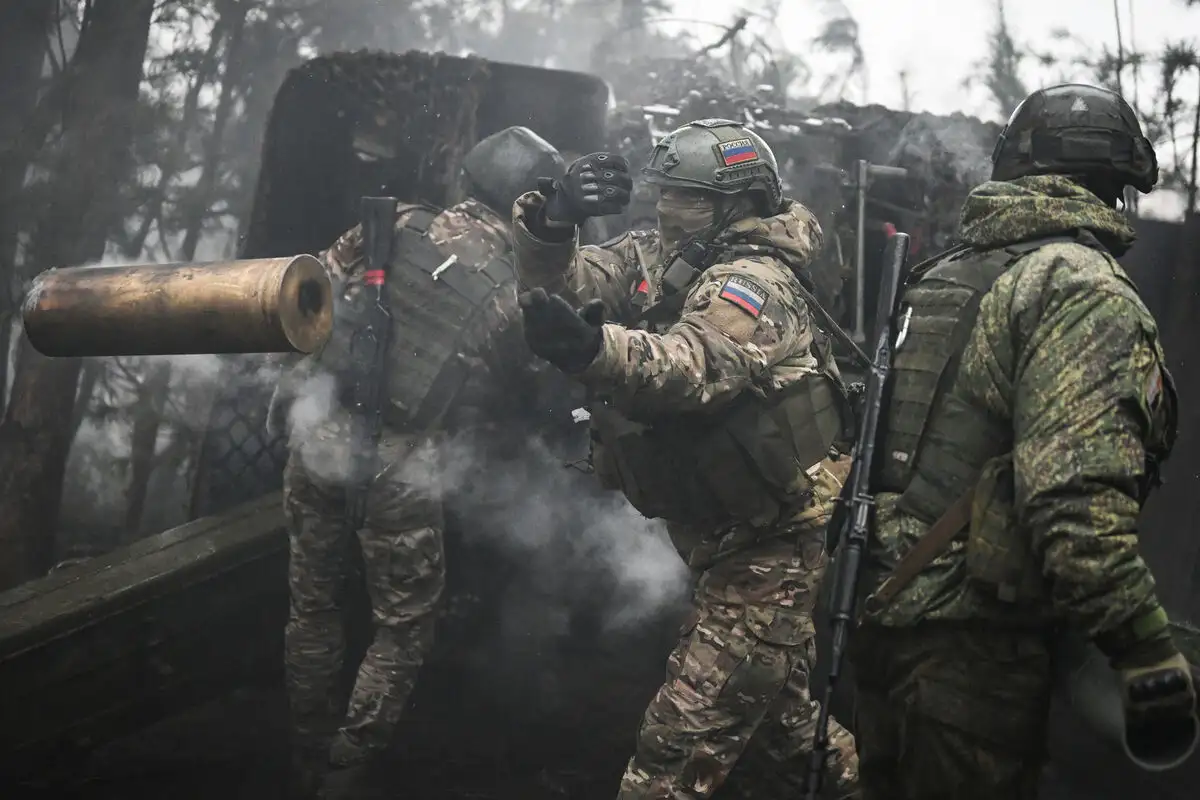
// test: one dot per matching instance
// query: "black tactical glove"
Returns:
(596, 185)
(1157, 689)
(1160, 704)
(567, 338)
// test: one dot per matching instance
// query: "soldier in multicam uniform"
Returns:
(719, 416)
(1030, 409)
(460, 363)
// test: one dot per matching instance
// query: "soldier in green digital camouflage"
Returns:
(1030, 410)
(715, 405)
(460, 364)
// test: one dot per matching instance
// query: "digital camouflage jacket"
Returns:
(1064, 351)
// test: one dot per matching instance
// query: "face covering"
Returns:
(681, 215)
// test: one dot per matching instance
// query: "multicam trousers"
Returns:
(403, 560)
(948, 712)
(737, 683)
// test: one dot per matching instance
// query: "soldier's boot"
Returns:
(353, 768)
(308, 766)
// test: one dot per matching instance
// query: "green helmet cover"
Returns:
(717, 155)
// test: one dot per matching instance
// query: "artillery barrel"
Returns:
(264, 305)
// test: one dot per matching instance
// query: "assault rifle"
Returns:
(853, 518)
(369, 348)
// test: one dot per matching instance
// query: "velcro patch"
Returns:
(739, 151)
(745, 294)
(1154, 387)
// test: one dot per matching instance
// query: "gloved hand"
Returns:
(567, 338)
(595, 185)
(1160, 701)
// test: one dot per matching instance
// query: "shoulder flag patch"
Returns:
(739, 151)
(745, 294)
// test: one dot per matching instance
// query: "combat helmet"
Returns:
(1076, 129)
(718, 155)
(507, 164)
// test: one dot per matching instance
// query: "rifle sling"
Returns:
(830, 326)
(935, 542)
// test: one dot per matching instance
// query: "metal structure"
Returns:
(265, 305)
(348, 125)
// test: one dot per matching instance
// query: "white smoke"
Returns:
(558, 521)
(118, 391)
(956, 148)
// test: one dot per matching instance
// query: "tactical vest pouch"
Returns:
(430, 317)
(999, 555)
(939, 327)
(919, 442)
(649, 466)
(749, 465)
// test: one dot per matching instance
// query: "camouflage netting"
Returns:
(342, 126)
(354, 124)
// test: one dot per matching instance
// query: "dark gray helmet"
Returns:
(718, 155)
(507, 164)
(1075, 129)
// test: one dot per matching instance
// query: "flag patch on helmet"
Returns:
(738, 151)
(745, 294)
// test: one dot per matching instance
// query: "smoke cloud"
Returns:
(553, 519)
(944, 149)
(115, 394)
(560, 523)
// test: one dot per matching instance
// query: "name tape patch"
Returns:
(738, 151)
(745, 294)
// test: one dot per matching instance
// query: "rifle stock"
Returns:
(858, 499)
(369, 353)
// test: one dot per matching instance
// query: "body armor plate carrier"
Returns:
(950, 462)
(430, 317)
(749, 462)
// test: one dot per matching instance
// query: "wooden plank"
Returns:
(122, 641)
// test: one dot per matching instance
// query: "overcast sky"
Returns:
(938, 41)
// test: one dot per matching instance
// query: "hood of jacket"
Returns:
(793, 235)
(998, 213)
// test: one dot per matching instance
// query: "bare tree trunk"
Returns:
(154, 389)
(143, 442)
(1193, 186)
(23, 36)
(235, 12)
(176, 157)
(1120, 67)
(99, 103)
(633, 16)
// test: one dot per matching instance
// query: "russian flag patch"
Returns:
(745, 294)
(739, 151)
